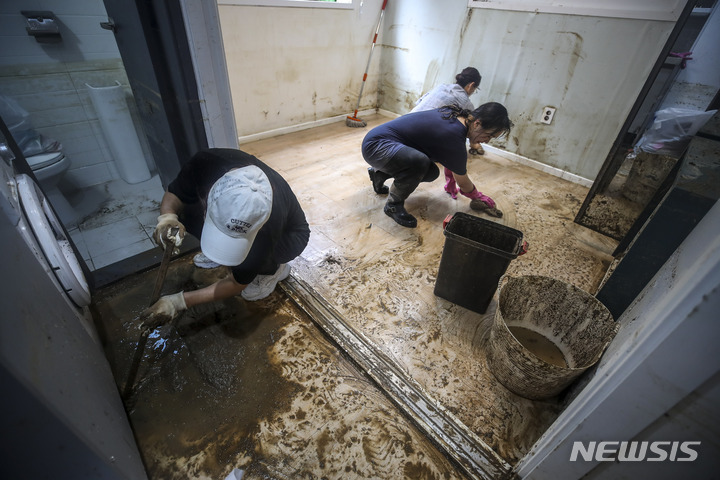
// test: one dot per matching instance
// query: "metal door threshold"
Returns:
(453, 437)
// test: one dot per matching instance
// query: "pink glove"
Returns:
(475, 194)
(450, 185)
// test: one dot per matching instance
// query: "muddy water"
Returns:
(214, 379)
(253, 385)
(539, 346)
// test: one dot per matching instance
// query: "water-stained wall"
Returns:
(590, 69)
(289, 66)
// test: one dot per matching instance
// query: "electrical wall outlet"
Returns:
(547, 115)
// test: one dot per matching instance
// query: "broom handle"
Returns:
(367, 67)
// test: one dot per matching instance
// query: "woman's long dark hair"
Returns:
(469, 74)
(492, 115)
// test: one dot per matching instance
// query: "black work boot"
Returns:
(378, 179)
(396, 211)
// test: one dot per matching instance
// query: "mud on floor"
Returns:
(380, 276)
(256, 386)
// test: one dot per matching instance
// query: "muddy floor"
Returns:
(380, 276)
(253, 386)
(614, 211)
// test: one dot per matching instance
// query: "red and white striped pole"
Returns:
(353, 121)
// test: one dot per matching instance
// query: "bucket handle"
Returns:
(524, 248)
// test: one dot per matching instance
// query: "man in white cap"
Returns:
(247, 218)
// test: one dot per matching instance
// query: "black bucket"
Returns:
(476, 255)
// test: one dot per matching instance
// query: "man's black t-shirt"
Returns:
(282, 238)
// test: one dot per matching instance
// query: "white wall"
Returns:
(289, 66)
(590, 69)
(294, 65)
(695, 419)
(79, 22)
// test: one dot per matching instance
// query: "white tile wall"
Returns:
(60, 109)
(79, 23)
(57, 111)
(49, 82)
(87, 176)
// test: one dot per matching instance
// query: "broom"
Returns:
(354, 121)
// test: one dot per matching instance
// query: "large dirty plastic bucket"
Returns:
(476, 255)
(545, 334)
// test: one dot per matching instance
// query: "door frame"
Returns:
(153, 45)
(175, 64)
(615, 158)
(202, 23)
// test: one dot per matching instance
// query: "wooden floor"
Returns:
(380, 276)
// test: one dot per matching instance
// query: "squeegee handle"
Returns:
(372, 47)
(162, 271)
(135, 364)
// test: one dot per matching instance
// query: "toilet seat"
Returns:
(52, 240)
(43, 160)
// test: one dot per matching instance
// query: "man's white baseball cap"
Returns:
(238, 205)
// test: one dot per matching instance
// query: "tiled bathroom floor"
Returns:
(120, 221)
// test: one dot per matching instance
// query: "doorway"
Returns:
(629, 184)
(110, 217)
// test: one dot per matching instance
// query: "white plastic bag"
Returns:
(672, 130)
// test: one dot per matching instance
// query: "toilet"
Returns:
(49, 169)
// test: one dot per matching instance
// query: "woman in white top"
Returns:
(458, 93)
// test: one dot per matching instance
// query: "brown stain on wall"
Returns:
(393, 47)
(575, 55)
(533, 139)
(465, 25)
